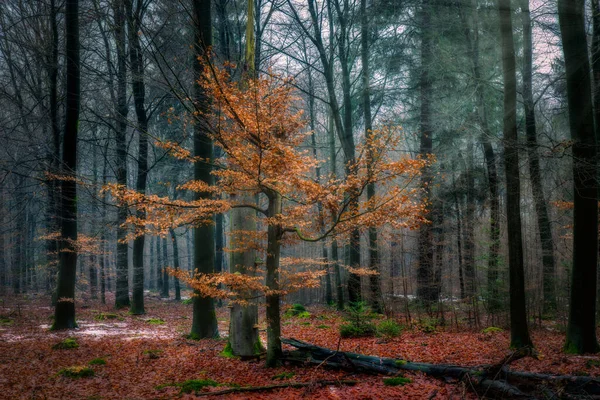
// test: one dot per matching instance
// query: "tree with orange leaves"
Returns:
(260, 128)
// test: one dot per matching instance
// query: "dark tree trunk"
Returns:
(541, 209)
(165, 274)
(426, 290)
(581, 329)
(159, 266)
(152, 281)
(122, 267)
(469, 225)
(273, 315)
(204, 322)
(519, 333)
(374, 263)
(175, 263)
(134, 18)
(64, 316)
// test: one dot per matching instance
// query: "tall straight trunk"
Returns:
(159, 266)
(54, 186)
(519, 332)
(339, 286)
(426, 291)
(374, 280)
(175, 263)
(471, 29)
(103, 241)
(581, 329)
(165, 274)
(3, 266)
(469, 225)
(18, 261)
(541, 209)
(153, 280)
(459, 244)
(136, 59)
(595, 61)
(122, 267)
(64, 315)
(274, 235)
(93, 267)
(204, 322)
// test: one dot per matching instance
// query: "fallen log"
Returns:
(501, 383)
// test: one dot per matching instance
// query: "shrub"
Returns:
(297, 310)
(359, 324)
(78, 371)
(396, 381)
(68, 343)
(491, 329)
(389, 328)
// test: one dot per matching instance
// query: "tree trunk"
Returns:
(519, 333)
(374, 263)
(175, 263)
(165, 274)
(339, 286)
(122, 267)
(581, 329)
(204, 322)
(64, 315)
(274, 235)
(139, 98)
(541, 209)
(159, 266)
(426, 291)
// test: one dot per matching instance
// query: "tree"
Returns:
(581, 328)
(64, 315)
(519, 333)
(204, 323)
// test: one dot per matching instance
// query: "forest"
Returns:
(328, 199)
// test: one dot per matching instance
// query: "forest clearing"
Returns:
(139, 357)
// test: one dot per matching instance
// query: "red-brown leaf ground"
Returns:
(29, 365)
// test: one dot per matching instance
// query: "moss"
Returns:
(5, 320)
(193, 336)
(396, 381)
(297, 310)
(323, 326)
(282, 376)
(227, 351)
(77, 371)
(189, 386)
(303, 314)
(492, 329)
(187, 302)
(400, 363)
(106, 316)
(68, 343)
(155, 321)
(305, 323)
(97, 361)
(258, 347)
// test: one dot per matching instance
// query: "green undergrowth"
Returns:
(191, 385)
(297, 310)
(107, 316)
(77, 371)
(491, 330)
(283, 376)
(68, 343)
(389, 329)
(396, 381)
(97, 361)
(155, 321)
(152, 354)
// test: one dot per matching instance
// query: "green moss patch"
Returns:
(283, 376)
(68, 343)
(106, 316)
(77, 371)
(4, 320)
(191, 386)
(97, 361)
(396, 381)
(491, 330)
(227, 351)
(152, 354)
(297, 310)
(155, 321)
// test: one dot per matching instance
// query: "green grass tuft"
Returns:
(106, 316)
(77, 371)
(491, 329)
(396, 381)
(282, 376)
(187, 302)
(68, 343)
(155, 321)
(97, 361)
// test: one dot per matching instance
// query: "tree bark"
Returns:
(175, 263)
(204, 322)
(165, 275)
(519, 333)
(122, 267)
(273, 315)
(64, 315)
(581, 328)
(136, 59)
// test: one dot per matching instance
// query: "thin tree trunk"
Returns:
(544, 228)
(159, 266)
(425, 287)
(122, 264)
(519, 333)
(581, 329)
(165, 274)
(175, 263)
(139, 97)
(64, 316)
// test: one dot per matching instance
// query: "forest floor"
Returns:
(148, 357)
